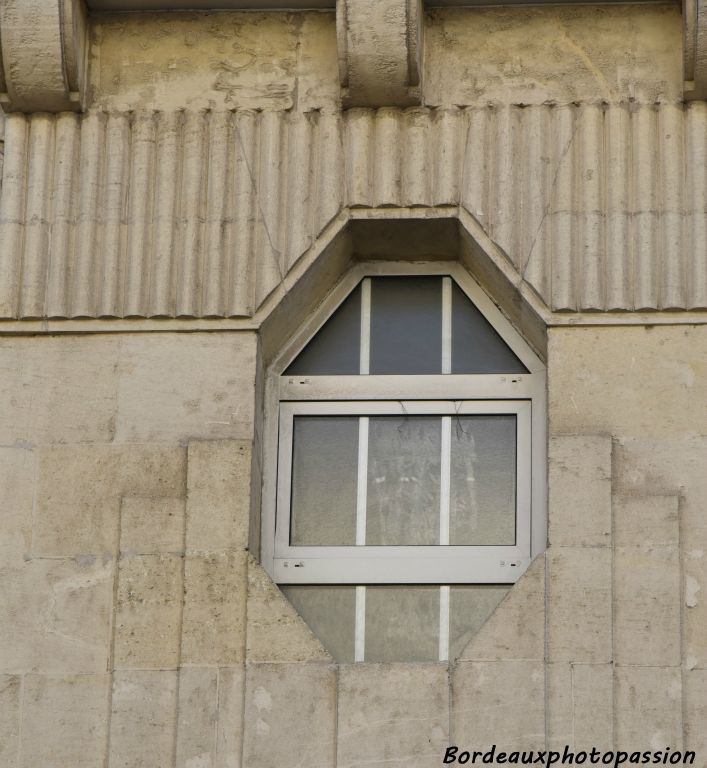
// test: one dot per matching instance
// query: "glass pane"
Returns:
(470, 606)
(483, 480)
(402, 623)
(330, 612)
(336, 348)
(324, 479)
(402, 505)
(476, 347)
(406, 325)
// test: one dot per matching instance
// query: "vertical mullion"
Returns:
(362, 484)
(444, 595)
(360, 625)
(362, 481)
(365, 351)
(445, 480)
(446, 325)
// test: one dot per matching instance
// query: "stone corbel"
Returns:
(694, 20)
(43, 54)
(380, 52)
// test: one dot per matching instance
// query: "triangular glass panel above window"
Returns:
(406, 325)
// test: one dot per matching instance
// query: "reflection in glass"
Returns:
(406, 325)
(402, 623)
(324, 477)
(335, 350)
(330, 613)
(483, 480)
(403, 480)
(469, 608)
(476, 347)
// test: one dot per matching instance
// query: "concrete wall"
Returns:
(136, 629)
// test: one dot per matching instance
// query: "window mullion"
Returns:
(362, 481)
(444, 596)
(446, 325)
(365, 349)
(360, 625)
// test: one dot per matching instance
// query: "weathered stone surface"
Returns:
(250, 60)
(380, 52)
(151, 525)
(276, 632)
(647, 605)
(579, 487)
(392, 713)
(695, 682)
(668, 362)
(184, 386)
(148, 612)
(142, 725)
(486, 694)
(10, 687)
(210, 725)
(214, 618)
(46, 395)
(516, 630)
(64, 721)
(290, 715)
(579, 604)
(561, 54)
(55, 616)
(646, 522)
(17, 479)
(43, 56)
(80, 489)
(580, 706)
(648, 708)
(671, 467)
(218, 494)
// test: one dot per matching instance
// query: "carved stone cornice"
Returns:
(43, 52)
(380, 52)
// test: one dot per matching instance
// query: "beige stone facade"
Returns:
(176, 205)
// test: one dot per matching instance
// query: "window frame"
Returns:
(363, 390)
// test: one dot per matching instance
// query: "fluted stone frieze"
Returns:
(203, 214)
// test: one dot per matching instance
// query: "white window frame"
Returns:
(286, 396)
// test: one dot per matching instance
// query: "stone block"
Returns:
(492, 695)
(64, 721)
(10, 691)
(151, 525)
(695, 682)
(80, 489)
(290, 715)
(17, 481)
(276, 632)
(55, 616)
(646, 521)
(218, 494)
(210, 720)
(579, 490)
(580, 709)
(648, 708)
(593, 706)
(58, 389)
(695, 607)
(647, 606)
(143, 719)
(559, 714)
(579, 604)
(390, 714)
(655, 375)
(185, 386)
(516, 629)
(214, 618)
(148, 612)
